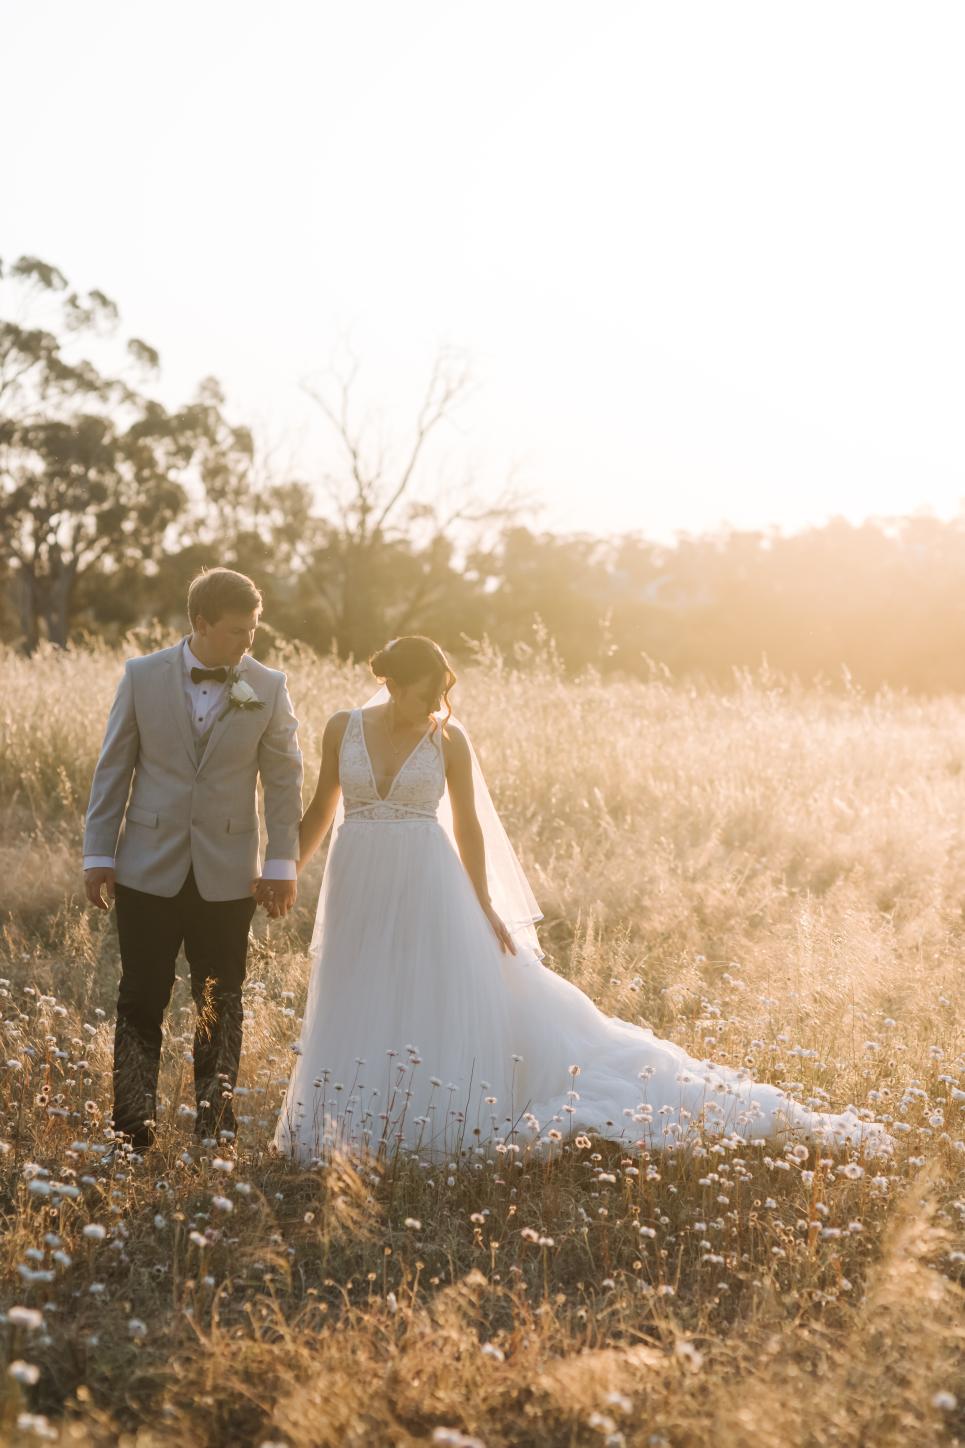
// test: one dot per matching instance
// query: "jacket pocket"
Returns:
(242, 825)
(142, 816)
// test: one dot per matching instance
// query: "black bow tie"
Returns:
(197, 675)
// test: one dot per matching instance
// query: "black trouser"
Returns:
(151, 930)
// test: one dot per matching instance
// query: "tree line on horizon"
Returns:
(110, 502)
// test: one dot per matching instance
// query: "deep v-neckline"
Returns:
(383, 798)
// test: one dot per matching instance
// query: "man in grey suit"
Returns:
(172, 837)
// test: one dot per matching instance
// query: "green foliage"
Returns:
(110, 503)
(93, 474)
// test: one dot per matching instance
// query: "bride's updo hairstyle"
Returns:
(411, 659)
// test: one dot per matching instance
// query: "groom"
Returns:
(192, 727)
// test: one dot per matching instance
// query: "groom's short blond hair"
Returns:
(217, 591)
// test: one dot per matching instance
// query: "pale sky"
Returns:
(707, 260)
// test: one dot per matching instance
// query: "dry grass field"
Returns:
(771, 876)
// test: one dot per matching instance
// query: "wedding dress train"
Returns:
(420, 1034)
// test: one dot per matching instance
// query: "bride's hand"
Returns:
(506, 942)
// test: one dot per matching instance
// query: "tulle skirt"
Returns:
(421, 1035)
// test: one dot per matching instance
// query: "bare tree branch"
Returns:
(433, 410)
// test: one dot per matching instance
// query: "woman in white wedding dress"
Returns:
(431, 1024)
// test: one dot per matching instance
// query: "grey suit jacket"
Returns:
(159, 810)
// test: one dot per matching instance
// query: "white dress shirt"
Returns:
(204, 699)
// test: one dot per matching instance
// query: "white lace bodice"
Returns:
(416, 790)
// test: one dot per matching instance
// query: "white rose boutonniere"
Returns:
(240, 695)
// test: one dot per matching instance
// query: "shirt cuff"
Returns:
(279, 870)
(98, 862)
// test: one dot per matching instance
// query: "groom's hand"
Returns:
(277, 896)
(99, 883)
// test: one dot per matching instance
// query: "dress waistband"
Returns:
(382, 812)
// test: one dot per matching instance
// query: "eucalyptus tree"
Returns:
(94, 473)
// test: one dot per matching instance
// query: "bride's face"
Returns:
(414, 703)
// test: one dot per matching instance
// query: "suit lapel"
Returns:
(179, 702)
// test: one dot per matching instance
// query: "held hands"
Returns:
(97, 881)
(277, 896)
(506, 943)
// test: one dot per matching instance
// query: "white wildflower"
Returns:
(27, 1373)
(688, 1354)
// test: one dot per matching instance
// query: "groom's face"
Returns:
(228, 640)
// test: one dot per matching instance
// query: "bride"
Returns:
(431, 1024)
